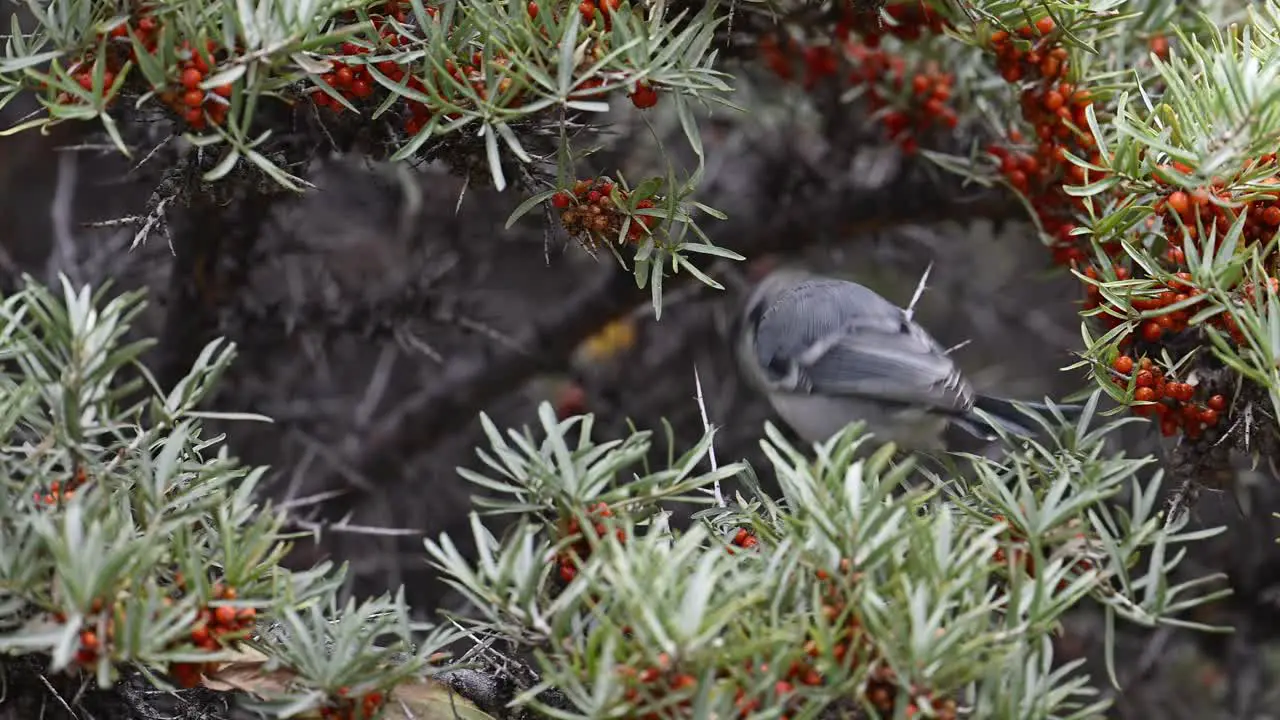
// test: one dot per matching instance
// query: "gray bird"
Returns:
(831, 352)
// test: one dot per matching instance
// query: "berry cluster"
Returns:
(588, 10)
(851, 647)
(81, 68)
(213, 629)
(578, 549)
(1169, 401)
(659, 681)
(1014, 553)
(91, 646)
(60, 492)
(196, 106)
(353, 79)
(354, 82)
(350, 77)
(783, 694)
(924, 106)
(182, 94)
(1176, 406)
(345, 707)
(594, 213)
(744, 539)
(1036, 60)
(911, 102)
(1188, 213)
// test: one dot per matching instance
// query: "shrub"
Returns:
(1141, 141)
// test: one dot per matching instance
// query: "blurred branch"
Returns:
(212, 242)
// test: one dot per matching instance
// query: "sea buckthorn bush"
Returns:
(130, 541)
(1140, 137)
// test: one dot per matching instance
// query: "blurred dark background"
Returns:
(379, 315)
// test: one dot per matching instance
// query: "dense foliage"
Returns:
(1141, 137)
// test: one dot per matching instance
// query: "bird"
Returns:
(829, 352)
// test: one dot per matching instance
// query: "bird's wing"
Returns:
(831, 337)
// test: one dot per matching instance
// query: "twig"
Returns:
(57, 695)
(377, 386)
(706, 427)
(316, 527)
(63, 259)
(313, 499)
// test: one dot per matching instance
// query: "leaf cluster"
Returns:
(124, 527)
(954, 582)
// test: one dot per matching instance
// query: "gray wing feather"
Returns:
(834, 337)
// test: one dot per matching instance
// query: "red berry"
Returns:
(1217, 402)
(560, 200)
(1123, 365)
(1144, 394)
(193, 98)
(568, 572)
(1151, 331)
(191, 78)
(644, 97)
(225, 616)
(1179, 202)
(533, 9)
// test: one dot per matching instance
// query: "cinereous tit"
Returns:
(830, 352)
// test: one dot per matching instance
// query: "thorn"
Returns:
(911, 307)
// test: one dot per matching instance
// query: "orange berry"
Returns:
(225, 616)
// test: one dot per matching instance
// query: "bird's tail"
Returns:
(1016, 417)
